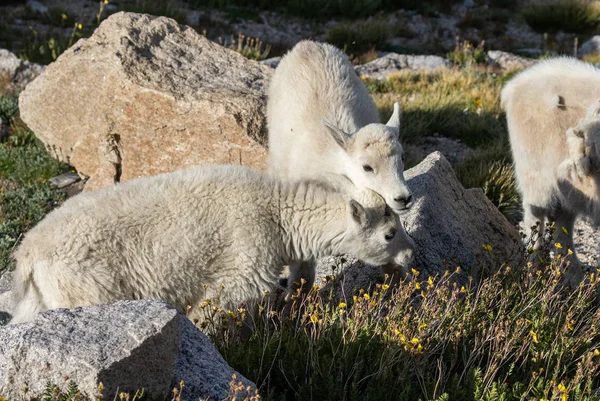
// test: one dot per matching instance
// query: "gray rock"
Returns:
(508, 61)
(6, 297)
(37, 6)
(449, 225)
(61, 181)
(453, 150)
(17, 72)
(590, 46)
(125, 346)
(390, 63)
(272, 62)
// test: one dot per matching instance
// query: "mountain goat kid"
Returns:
(322, 122)
(550, 108)
(220, 233)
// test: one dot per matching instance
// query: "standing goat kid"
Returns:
(323, 123)
(550, 109)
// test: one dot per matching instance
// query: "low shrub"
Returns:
(359, 37)
(577, 16)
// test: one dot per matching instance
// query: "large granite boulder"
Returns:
(451, 226)
(144, 95)
(125, 346)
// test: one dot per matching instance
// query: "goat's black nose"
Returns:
(404, 200)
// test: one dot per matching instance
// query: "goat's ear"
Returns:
(394, 121)
(340, 136)
(358, 212)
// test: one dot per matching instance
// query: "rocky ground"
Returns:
(587, 242)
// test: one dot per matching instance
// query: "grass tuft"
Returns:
(467, 55)
(251, 48)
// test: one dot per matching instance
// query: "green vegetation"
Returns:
(25, 195)
(252, 48)
(157, 7)
(359, 37)
(467, 55)
(322, 9)
(577, 16)
(515, 334)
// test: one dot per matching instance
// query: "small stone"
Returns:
(389, 63)
(590, 46)
(65, 179)
(272, 62)
(37, 6)
(17, 72)
(508, 61)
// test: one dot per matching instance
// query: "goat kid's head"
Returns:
(376, 234)
(375, 159)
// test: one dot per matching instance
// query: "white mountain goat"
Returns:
(322, 122)
(219, 232)
(543, 105)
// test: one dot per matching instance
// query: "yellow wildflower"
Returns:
(558, 245)
(487, 247)
(63, 16)
(533, 336)
(463, 289)
(423, 325)
(79, 26)
(385, 287)
(342, 305)
(458, 269)
(366, 296)
(561, 387)
(569, 251)
(314, 319)
(105, 1)
(415, 272)
(570, 325)
(231, 314)
(417, 286)
(478, 103)
(373, 304)
(415, 341)
(564, 230)
(430, 281)
(596, 352)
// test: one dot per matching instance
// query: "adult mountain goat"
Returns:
(322, 122)
(219, 232)
(544, 104)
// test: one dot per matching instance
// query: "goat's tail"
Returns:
(27, 297)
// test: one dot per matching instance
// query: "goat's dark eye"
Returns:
(402, 157)
(390, 236)
(368, 168)
(387, 212)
